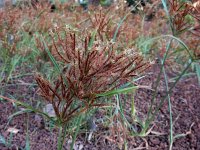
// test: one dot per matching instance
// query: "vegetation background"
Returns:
(99, 74)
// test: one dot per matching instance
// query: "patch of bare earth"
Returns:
(185, 101)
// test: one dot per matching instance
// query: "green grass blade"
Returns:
(121, 22)
(164, 2)
(168, 92)
(27, 143)
(60, 138)
(169, 108)
(51, 56)
(172, 37)
(12, 65)
(197, 67)
(9, 143)
(18, 113)
(27, 147)
(58, 70)
(78, 124)
(3, 140)
(118, 91)
(28, 107)
(91, 42)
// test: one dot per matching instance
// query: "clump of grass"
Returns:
(91, 63)
(90, 69)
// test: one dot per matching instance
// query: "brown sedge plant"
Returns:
(188, 30)
(88, 72)
(9, 26)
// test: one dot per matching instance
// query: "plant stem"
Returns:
(78, 124)
(60, 138)
(62, 135)
(147, 122)
(121, 22)
(170, 90)
(170, 110)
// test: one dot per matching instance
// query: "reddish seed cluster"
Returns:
(89, 71)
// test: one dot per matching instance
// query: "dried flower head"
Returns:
(90, 69)
(179, 11)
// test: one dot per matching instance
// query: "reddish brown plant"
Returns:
(89, 70)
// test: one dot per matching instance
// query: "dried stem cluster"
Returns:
(185, 21)
(90, 69)
(9, 25)
(180, 13)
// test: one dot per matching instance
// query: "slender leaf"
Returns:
(118, 91)
(2, 140)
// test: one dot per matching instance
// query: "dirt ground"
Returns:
(185, 101)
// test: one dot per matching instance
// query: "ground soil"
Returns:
(185, 101)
